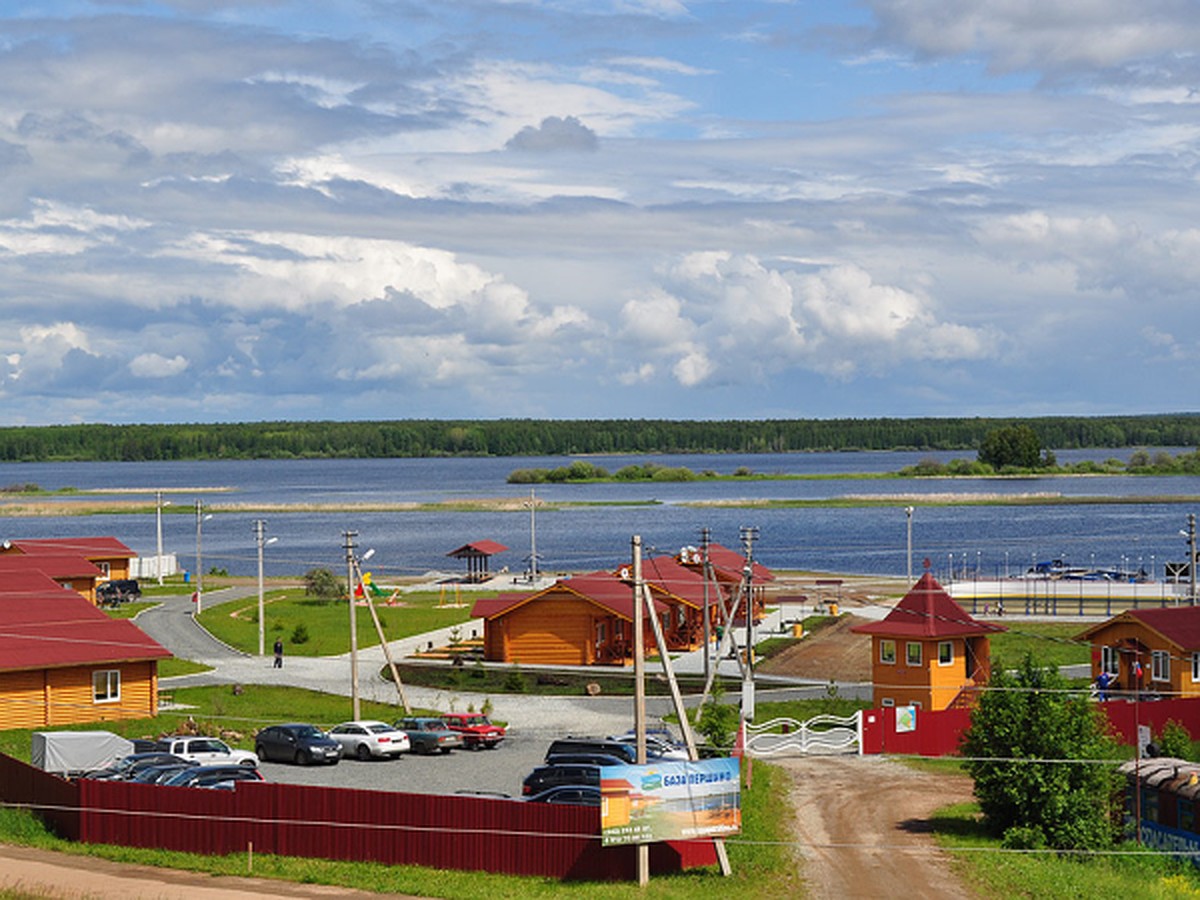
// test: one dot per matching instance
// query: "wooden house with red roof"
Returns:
(63, 661)
(577, 621)
(109, 555)
(1155, 649)
(729, 570)
(928, 651)
(73, 572)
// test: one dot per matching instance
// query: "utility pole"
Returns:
(908, 512)
(260, 527)
(748, 536)
(1191, 559)
(200, 517)
(349, 547)
(639, 688)
(705, 540)
(158, 524)
(533, 568)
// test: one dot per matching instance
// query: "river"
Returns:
(988, 540)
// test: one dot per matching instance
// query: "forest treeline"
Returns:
(537, 437)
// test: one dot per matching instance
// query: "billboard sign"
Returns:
(670, 800)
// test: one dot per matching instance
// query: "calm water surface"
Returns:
(989, 539)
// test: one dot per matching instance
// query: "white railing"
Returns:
(820, 734)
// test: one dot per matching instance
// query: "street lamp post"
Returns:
(158, 562)
(260, 528)
(349, 547)
(200, 518)
(908, 513)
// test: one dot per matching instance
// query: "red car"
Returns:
(476, 729)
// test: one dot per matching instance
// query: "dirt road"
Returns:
(862, 825)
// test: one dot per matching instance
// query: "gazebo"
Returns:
(477, 555)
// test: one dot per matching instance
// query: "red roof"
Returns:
(600, 588)
(729, 565)
(89, 547)
(29, 582)
(60, 629)
(927, 611)
(56, 566)
(478, 548)
(1178, 624)
(666, 574)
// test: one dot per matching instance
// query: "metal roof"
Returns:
(927, 611)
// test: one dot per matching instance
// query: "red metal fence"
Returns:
(446, 832)
(938, 732)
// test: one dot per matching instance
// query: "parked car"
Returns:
(159, 773)
(298, 743)
(210, 776)
(545, 777)
(428, 735)
(659, 744)
(118, 590)
(128, 766)
(572, 794)
(367, 739)
(607, 746)
(477, 730)
(206, 750)
(584, 759)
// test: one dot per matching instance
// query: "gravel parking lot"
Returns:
(499, 770)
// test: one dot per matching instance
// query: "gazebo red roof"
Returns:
(927, 611)
(60, 629)
(478, 548)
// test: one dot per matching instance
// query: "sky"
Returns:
(213, 210)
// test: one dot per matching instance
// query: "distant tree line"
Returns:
(536, 437)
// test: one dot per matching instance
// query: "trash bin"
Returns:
(797, 629)
(833, 609)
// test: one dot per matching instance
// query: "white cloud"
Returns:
(154, 365)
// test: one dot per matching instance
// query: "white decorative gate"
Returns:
(820, 734)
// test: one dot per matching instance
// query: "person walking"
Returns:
(279, 653)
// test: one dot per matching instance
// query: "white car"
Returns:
(206, 751)
(365, 739)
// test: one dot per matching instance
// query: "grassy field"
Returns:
(1049, 643)
(311, 627)
(1048, 876)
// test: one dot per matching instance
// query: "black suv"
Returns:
(559, 774)
(118, 590)
(591, 745)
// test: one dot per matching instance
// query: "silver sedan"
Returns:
(367, 739)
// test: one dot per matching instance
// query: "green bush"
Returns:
(300, 634)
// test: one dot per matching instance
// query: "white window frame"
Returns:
(948, 646)
(106, 686)
(883, 656)
(1195, 667)
(1110, 660)
(1160, 665)
(909, 658)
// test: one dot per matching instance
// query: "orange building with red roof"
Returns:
(1163, 643)
(928, 651)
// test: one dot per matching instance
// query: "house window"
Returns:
(106, 686)
(912, 653)
(945, 653)
(601, 633)
(1110, 661)
(1196, 667)
(105, 570)
(887, 652)
(1160, 666)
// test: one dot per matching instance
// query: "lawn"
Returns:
(995, 872)
(311, 627)
(1049, 643)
